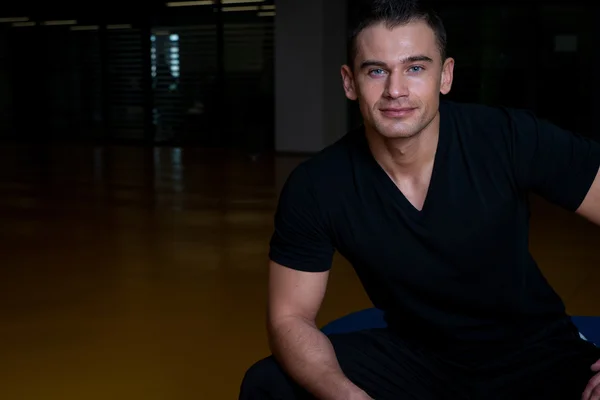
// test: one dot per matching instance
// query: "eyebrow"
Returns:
(407, 60)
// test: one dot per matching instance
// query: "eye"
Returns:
(376, 72)
(415, 68)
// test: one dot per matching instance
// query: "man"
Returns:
(428, 201)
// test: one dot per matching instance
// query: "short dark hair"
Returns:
(392, 13)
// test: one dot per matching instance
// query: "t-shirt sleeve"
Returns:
(552, 162)
(300, 240)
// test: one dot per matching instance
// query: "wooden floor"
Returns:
(141, 274)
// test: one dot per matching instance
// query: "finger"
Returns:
(595, 393)
(596, 366)
(592, 390)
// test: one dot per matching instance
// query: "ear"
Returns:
(349, 84)
(447, 75)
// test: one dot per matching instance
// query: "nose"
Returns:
(397, 86)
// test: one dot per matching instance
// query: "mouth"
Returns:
(397, 112)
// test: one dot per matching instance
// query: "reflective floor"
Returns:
(133, 273)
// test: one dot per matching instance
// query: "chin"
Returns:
(397, 132)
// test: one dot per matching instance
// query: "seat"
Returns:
(370, 318)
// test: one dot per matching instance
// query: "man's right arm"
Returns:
(301, 253)
(302, 350)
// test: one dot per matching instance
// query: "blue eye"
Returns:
(377, 71)
(416, 68)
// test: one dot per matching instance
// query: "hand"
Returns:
(363, 396)
(360, 395)
(592, 390)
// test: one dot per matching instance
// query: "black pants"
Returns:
(555, 365)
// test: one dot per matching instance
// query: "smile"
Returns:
(397, 112)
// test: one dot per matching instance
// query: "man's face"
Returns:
(397, 77)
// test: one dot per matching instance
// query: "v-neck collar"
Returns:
(388, 183)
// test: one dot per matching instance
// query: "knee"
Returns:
(260, 372)
(266, 380)
(262, 380)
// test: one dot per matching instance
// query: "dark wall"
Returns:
(520, 56)
(166, 75)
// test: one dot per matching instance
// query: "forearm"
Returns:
(309, 358)
(590, 208)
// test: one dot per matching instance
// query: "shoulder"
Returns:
(487, 117)
(303, 236)
(327, 168)
(496, 128)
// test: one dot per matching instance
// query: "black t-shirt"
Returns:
(457, 275)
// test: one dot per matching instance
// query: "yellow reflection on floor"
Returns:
(141, 274)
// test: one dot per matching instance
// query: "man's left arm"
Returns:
(590, 207)
(564, 168)
(556, 164)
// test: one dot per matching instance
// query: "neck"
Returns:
(403, 157)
